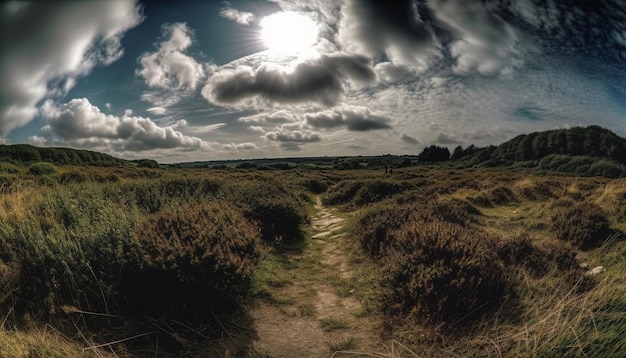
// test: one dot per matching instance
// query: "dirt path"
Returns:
(312, 310)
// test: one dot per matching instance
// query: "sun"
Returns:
(288, 33)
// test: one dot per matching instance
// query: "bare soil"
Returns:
(316, 314)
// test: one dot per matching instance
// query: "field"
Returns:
(430, 261)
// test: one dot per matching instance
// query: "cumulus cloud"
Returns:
(240, 147)
(81, 124)
(354, 118)
(240, 17)
(278, 117)
(295, 136)
(169, 67)
(396, 29)
(70, 39)
(291, 139)
(321, 80)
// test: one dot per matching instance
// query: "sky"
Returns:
(181, 81)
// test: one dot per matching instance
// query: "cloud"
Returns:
(69, 40)
(354, 118)
(81, 124)
(278, 117)
(396, 29)
(389, 72)
(240, 17)
(293, 136)
(169, 68)
(321, 80)
(530, 113)
(408, 139)
(484, 41)
(291, 139)
(240, 147)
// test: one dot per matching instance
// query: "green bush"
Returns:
(441, 272)
(583, 224)
(194, 256)
(70, 250)
(42, 169)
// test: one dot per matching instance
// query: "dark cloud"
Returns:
(358, 119)
(50, 42)
(391, 28)
(590, 28)
(482, 40)
(530, 113)
(444, 138)
(322, 80)
(408, 139)
(79, 123)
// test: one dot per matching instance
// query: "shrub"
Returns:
(441, 272)
(519, 251)
(376, 227)
(584, 224)
(500, 195)
(194, 256)
(342, 192)
(278, 211)
(42, 169)
(72, 177)
(314, 185)
(70, 250)
(373, 191)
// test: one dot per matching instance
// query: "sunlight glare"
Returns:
(288, 33)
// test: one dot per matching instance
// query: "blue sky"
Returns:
(201, 80)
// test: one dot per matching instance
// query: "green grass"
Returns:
(332, 324)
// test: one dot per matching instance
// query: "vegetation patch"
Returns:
(442, 272)
(584, 224)
(194, 254)
(42, 169)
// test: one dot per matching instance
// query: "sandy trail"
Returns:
(316, 318)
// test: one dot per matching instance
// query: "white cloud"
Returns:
(292, 139)
(277, 117)
(78, 123)
(169, 68)
(54, 43)
(240, 17)
(240, 147)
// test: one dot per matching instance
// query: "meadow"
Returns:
(131, 262)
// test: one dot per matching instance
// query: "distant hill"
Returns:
(24, 154)
(583, 151)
